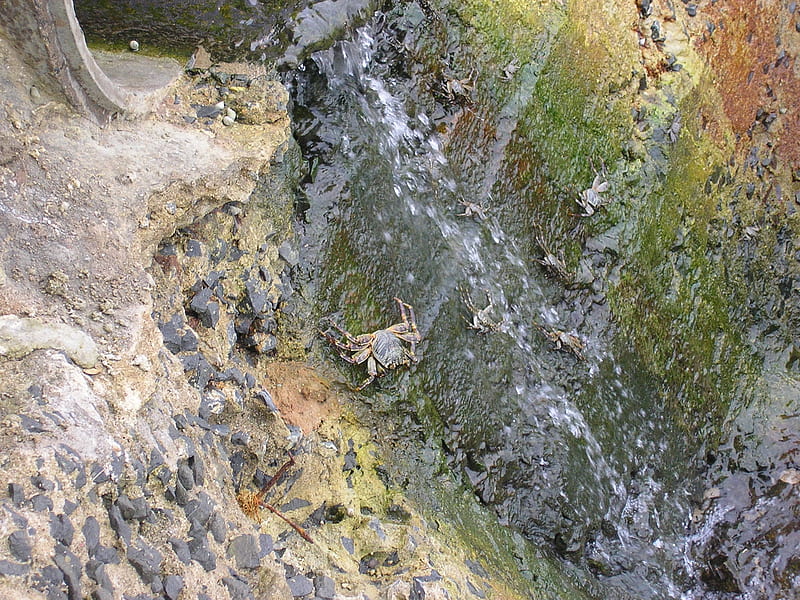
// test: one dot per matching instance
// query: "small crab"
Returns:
(553, 263)
(382, 350)
(568, 342)
(480, 320)
(471, 209)
(590, 199)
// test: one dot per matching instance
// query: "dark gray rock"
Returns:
(206, 309)
(31, 425)
(96, 570)
(9, 568)
(118, 524)
(186, 476)
(146, 560)
(106, 554)
(202, 554)
(181, 550)
(133, 510)
(265, 544)
(238, 589)
(41, 503)
(70, 566)
(218, 528)
(182, 497)
(347, 544)
(324, 587)
(43, 483)
(300, 585)
(91, 533)
(19, 542)
(173, 584)
(198, 468)
(69, 507)
(245, 552)
(98, 473)
(17, 493)
(200, 509)
(102, 594)
(240, 438)
(178, 337)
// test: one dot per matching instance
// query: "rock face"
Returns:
(150, 345)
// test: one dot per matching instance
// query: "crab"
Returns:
(590, 199)
(480, 321)
(553, 263)
(471, 209)
(383, 350)
(568, 342)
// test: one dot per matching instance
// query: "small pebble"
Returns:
(227, 120)
(134, 46)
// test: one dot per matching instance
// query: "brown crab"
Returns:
(568, 342)
(480, 320)
(382, 350)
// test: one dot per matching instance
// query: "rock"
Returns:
(186, 476)
(133, 509)
(118, 524)
(146, 560)
(238, 589)
(91, 534)
(244, 550)
(41, 503)
(202, 554)
(9, 568)
(17, 494)
(19, 542)
(70, 566)
(61, 529)
(300, 586)
(324, 587)
(206, 309)
(173, 584)
(181, 550)
(21, 336)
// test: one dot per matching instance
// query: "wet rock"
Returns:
(244, 550)
(61, 529)
(146, 560)
(300, 585)
(173, 584)
(19, 542)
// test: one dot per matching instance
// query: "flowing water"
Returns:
(580, 455)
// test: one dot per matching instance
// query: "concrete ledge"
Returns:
(98, 85)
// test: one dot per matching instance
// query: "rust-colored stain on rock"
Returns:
(303, 397)
(751, 48)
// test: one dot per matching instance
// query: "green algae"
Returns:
(675, 300)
